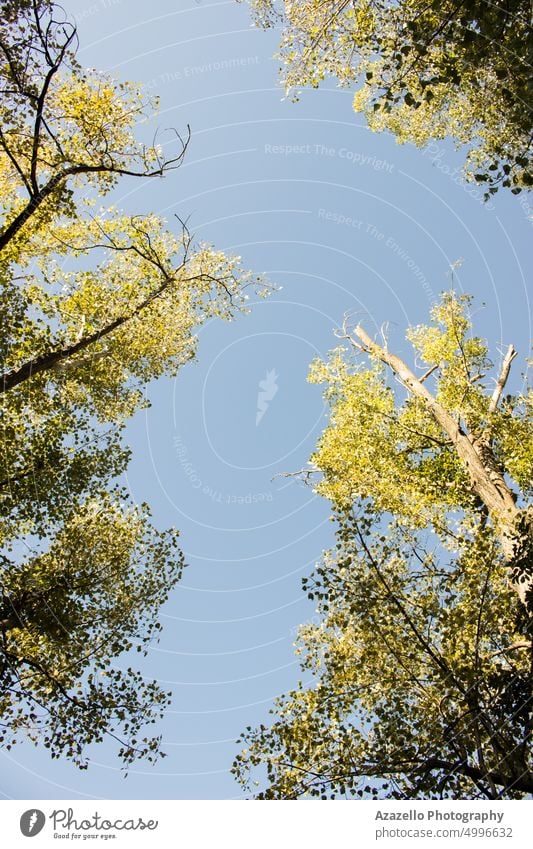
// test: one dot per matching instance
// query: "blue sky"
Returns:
(342, 219)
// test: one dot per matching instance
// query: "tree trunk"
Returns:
(514, 526)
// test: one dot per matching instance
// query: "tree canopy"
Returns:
(423, 70)
(420, 658)
(94, 303)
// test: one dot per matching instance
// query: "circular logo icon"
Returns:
(32, 822)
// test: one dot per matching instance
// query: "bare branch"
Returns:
(514, 647)
(428, 373)
(502, 380)
(497, 499)
(477, 457)
(302, 474)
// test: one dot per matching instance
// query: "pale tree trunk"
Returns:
(514, 526)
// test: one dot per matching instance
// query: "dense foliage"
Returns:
(420, 658)
(94, 303)
(424, 70)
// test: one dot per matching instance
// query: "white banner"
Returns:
(241, 825)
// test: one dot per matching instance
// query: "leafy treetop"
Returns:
(94, 303)
(423, 70)
(420, 657)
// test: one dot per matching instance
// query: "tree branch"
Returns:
(502, 380)
(486, 479)
(37, 197)
(55, 359)
(499, 500)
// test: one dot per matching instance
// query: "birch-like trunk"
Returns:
(514, 526)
